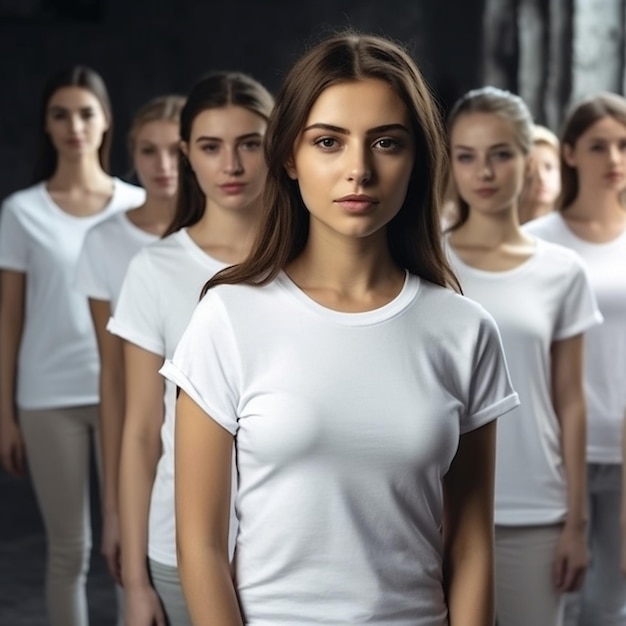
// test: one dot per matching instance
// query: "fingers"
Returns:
(568, 577)
(159, 617)
(13, 460)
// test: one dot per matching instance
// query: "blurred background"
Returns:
(549, 51)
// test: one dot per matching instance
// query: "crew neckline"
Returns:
(585, 242)
(148, 236)
(187, 242)
(80, 218)
(518, 270)
(409, 291)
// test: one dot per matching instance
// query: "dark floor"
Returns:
(22, 561)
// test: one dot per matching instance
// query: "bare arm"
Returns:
(623, 515)
(468, 530)
(569, 404)
(111, 420)
(141, 449)
(204, 449)
(13, 288)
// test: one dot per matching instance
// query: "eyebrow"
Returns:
(246, 136)
(494, 147)
(58, 107)
(344, 131)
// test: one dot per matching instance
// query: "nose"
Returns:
(614, 153)
(359, 166)
(232, 162)
(165, 161)
(485, 169)
(75, 124)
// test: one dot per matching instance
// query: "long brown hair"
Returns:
(214, 91)
(413, 235)
(77, 76)
(493, 101)
(581, 117)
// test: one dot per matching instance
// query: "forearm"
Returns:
(138, 463)
(111, 421)
(470, 584)
(207, 584)
(573, 442)
(10, 337)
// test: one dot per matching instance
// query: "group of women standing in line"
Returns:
(335, 449)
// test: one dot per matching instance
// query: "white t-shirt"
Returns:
(345, 425)
(545, 299)
(159, 293)
(58, 359)
(107, 251)
(605, 345)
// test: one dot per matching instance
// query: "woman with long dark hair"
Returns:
(48, 354)
(357, 389)
(221, 176)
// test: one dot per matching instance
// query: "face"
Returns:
(599, 156)
(225, 151)
(155, 158)
(75, 122)
(546, 184)
(353, 159)
(487, 163)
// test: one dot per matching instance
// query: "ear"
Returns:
(184, 148)
(568, 155)
(290, 168)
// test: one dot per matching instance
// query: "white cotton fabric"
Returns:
(605, 345)
(345, 425)
(545, 299)
(160, 291)
(58, 361)
(106, 253)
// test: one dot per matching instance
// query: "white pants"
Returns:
(167, 584)
(525, 590)
(57, 445)
(602, 600)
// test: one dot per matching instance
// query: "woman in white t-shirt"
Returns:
(541, 299)
(592, 221)
(221, 176)
(358, 390)
(107, 251)
(48, 353)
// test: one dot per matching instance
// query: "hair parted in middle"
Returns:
(413, 234)
(492, 101)
(215, 91)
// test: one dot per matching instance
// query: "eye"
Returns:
(464, 157)
(58, 115)
(502, 155)
(622, 146)
(596, 147)
(210, 148)
(388, 144)
(251, 144)
(87, 114)
(327, 143)
(147, 150)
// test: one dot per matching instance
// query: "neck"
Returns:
(598, 206)
(154, 215)
(226, 235)
(350, 266)
(491, 230)
(84, 173)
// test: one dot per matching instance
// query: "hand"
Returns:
(110, 545)
(12, 455)
(572, 559)
(143, 607)
(622, 562)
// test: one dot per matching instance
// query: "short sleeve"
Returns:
(491, 393)
(14, 240)
(136, 317)
(90, 278)
(579, 309)
(205, 363)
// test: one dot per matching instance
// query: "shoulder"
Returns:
(127, 193)
(24, 199)
(554, 256)
(107, 228)
(547, 224)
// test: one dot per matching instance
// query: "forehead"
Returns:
(479, 130)
(73, 97)
(545, 151)
(227, 122)
(157, 130)
(607, 128)
(364, 103)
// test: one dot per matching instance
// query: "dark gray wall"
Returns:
(147, 47)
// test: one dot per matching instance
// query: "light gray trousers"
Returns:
(167, 584)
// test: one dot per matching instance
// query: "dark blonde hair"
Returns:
(77, 76)
(413, 234)
(492, 101)
(160, 109)
(215, 91)
(579, 119)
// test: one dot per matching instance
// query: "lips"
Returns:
(357, 203)
(485, 192)
(232, 188)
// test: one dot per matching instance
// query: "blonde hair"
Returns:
(542, 135)
(163, 108)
